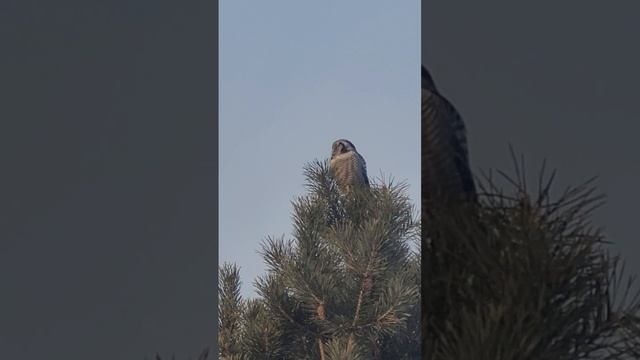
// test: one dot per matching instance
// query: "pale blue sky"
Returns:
(295, 76)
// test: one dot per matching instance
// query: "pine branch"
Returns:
(528, 278)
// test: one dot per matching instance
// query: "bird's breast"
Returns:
(345, 168)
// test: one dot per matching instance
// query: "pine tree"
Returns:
(344, 287)
(517, 276)
(525, 277)
(230, 312)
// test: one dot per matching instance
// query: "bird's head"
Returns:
(341, 146)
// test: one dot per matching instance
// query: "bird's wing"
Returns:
(445, 159)
(363, 165)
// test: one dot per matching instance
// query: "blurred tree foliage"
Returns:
(522, 276)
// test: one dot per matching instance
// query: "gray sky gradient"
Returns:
(108, 183)
(294, 77)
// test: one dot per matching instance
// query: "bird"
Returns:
(347, 166)
(447, 179)
(448, 194)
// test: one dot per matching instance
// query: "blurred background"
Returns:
(557, 80)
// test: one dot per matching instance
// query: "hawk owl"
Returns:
(347, 166)
(446, 176)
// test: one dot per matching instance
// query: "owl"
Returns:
(447, 185)
(446, 176)
(347, 166)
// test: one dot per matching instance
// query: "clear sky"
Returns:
(295, 76)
